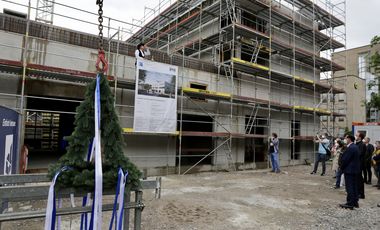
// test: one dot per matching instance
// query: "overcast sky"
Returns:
(362, 15)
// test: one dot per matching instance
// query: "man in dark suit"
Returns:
(362, 153)
(368, 161)
(351, 169)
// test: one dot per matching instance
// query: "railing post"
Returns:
(138, 210)
(126, 209)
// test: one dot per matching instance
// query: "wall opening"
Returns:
(195, 147)
(295, 149)
(255, 148)
(46, 126)
(198, 86)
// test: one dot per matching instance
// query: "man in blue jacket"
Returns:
(351, 169)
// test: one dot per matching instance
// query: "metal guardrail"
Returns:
(32, 187)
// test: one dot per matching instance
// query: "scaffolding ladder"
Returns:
(256, 49)
(228, 152)
(252, 119)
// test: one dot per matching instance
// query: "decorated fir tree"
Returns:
(82, 174)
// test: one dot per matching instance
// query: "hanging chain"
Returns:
(101, 54)
(100, 20)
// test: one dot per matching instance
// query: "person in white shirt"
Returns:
(142, 51)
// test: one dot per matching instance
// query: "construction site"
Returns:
(246, 69)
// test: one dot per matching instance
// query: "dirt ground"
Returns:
(293, 199)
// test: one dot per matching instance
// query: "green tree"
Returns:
(142, 76)
(347, 131)
(83, 173)
(374, 64)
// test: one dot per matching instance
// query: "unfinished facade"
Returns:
(246, 69)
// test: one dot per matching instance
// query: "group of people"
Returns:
(353, 160)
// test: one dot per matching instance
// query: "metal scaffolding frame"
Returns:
(45, 11)
(322, 13)
(169, 34)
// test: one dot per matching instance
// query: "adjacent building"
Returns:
(355, 81)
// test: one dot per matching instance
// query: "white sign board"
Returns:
(155, 97)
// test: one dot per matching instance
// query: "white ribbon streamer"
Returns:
(50, 208)
(120, 210)
(117, 214)
(97, 222)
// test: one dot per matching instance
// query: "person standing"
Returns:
(376, 163)
(362, 152)
(141, 52)
(335, 154)
(274, 154)
(322, 152)
(351, 169)
(367, 161)
(340, 149)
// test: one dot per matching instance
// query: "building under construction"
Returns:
(247, 68)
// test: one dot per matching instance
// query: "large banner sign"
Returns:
(155, 97)
(8, 141)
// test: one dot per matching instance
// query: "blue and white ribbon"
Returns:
(117, 215)
(60, 201)
(51, 208)
(97, 207)
(85, 217)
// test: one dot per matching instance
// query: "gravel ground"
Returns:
(293, 199)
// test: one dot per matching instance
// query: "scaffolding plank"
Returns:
(206, 92)
(304, 138)
(221, 134)
(250, 64)
(282, 77)
(312, 110)
(131, 131)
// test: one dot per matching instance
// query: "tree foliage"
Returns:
(347, 131)
(374, 64)
(83, 173)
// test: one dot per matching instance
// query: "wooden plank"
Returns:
(247, 63)
(23, 178)
(15, 193)
(204, 134)
(206, 92)
(62, 212)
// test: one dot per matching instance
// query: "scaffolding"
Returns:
(45, 11)
(274, 47)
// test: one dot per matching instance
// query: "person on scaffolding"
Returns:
(142, 51)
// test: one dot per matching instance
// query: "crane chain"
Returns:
(100, 20)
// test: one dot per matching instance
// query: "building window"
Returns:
(341, 97)
(341, 119)
(341, 111)
(362, 65)
(341, 132)
(198, 86)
